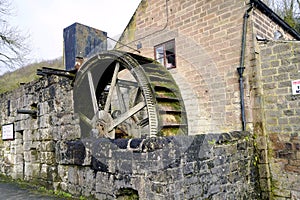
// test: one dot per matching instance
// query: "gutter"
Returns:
(242, 67)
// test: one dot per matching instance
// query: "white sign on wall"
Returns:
(8, 132)
(296, 87)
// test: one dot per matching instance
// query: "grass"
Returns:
(39, 190)
(11, 80)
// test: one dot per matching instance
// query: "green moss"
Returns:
(170, 105)
(131, 28)
(212, 142)
(170, 132)
(129, 33)
(143, 6)
(127, 194)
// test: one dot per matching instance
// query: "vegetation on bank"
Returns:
(12, 80)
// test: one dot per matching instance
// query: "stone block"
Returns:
(43, 121)
(73, 175)
(86, 178)
(32, 170)
(27, 156)
(20, 125)
(34, 156)
(45, 134)
(71, 152)
(101, 164)
(48, 146)
(70, 132)
(104, 183)
(64, 186)
(62, 171)
(74, 189)
(47, 158)
(27, 135)
(124, 166)
(43, 108)
(189, 168)
(18, 135)
(44, 173)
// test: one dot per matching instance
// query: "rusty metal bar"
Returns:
(50, 71)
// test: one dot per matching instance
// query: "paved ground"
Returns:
(11, 191)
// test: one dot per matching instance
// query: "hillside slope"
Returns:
(11, 80)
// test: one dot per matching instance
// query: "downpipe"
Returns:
(242, 67)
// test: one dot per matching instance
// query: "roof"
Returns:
(272, 15)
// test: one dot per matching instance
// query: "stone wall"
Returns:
(189, 167)
(278, 126)
(31, 155)
(48, 150)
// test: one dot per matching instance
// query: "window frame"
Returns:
(165, 55)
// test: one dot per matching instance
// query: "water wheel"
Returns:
(119, 94)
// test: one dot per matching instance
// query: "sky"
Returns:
(44, 21)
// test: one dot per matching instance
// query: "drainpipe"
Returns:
(242, 68)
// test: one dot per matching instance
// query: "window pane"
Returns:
(165, 54)
(170, 46)
(159, 54)
(171, 61)
(170, 54)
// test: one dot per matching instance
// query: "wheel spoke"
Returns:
(85, 119)
(126, 83)
(137, 95)
(120, 99)
(127, 114)
(93, 92)
(112, 86)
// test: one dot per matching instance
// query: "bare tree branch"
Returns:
(13, 48)
(289, 10)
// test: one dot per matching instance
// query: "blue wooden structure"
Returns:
(82, 41)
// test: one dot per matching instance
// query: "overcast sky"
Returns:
(44, 20)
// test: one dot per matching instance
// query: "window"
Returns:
(165, 54)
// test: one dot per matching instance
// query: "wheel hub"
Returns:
(103, 122)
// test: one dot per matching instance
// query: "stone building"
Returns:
(206, 40)
(233, 61)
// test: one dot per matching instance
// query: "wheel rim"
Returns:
(115, 97)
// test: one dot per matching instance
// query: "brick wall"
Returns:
(208, 39)
(279, 65)
(208, 48)
(266, 28)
